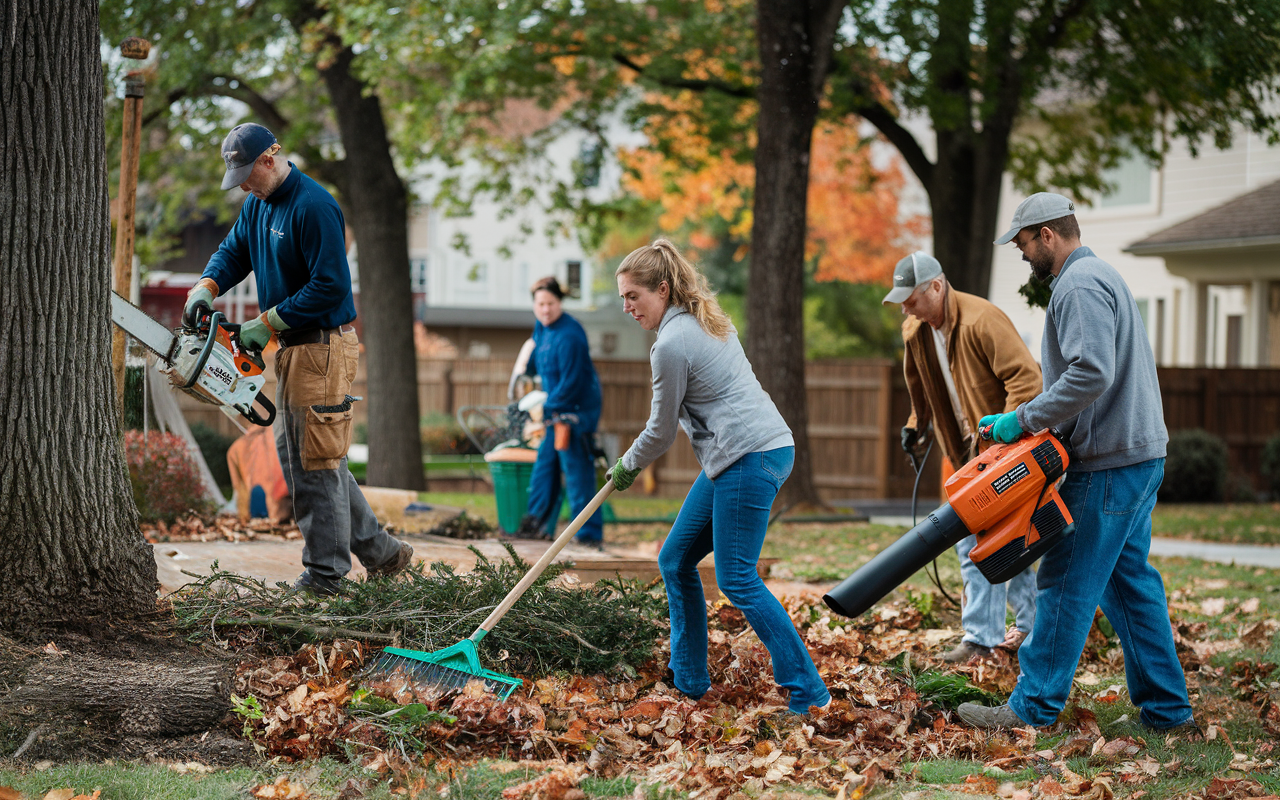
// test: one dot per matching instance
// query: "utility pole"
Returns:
(122, 268)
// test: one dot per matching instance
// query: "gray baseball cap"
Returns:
(914, 270)
(241, 149)
(1039, 207)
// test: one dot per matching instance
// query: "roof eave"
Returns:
(1202, 245)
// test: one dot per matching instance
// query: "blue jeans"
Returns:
(579, 469)
(1104, 564)
(730, 515)
(983, 616)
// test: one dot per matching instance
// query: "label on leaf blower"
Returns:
(1010, 478)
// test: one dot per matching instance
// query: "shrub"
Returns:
(1195, 470)
(1271, 466)
(213, 446)
(442, 436)
(166, 482)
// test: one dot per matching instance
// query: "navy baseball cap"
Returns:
(915, 270)
(241, 148)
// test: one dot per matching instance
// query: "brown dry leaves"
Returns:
(228, 527)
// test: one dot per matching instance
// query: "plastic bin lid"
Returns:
(521, 455)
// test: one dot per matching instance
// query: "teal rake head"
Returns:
(451, 668)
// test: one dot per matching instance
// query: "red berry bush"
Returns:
(166, 481)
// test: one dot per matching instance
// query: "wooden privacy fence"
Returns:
(856, 408)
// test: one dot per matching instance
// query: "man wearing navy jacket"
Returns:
(290, 234)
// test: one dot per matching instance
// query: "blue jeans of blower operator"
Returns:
(578, 465)
(1104, 564)
(729, 515)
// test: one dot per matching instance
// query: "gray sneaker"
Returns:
(397, 563)
(988, 717)
(965, 651)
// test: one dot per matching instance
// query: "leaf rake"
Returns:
(457, 665)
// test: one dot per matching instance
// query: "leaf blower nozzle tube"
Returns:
(899, 561)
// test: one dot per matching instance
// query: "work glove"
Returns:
(622, 477)
(909, 438)
(257, 332)
(1003, 428)
(201, 294)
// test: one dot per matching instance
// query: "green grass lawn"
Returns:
(1235, 523)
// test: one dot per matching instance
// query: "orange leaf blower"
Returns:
(1006, 496)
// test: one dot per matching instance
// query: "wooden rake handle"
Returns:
(547, 558)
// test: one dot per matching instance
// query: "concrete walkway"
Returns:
(1242, 555)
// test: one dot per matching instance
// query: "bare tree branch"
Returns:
(901, 138)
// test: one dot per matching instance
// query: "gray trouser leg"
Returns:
(332, 513)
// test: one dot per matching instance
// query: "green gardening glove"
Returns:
(200, 295)
(1003, 428)
(255, 334)
(622, 477)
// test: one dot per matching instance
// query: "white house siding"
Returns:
(1183, 188)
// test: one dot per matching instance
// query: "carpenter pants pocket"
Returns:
(327, 435)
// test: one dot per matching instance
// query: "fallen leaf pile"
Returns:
(228, 527)
(303, 699)
(737, 738)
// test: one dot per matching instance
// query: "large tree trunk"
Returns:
(379, 206)
(70, 547)
(794, 40)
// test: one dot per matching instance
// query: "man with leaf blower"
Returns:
(964, 359)
(290, 235)
(1102, 394)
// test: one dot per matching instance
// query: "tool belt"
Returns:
(293, 338)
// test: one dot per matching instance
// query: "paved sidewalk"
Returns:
(1242, 555)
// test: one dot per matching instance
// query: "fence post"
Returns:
(1210, 401)
(884, 410)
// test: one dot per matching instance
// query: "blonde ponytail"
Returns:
(662, 261)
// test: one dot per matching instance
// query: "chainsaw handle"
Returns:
(253, 416)
(208, 348)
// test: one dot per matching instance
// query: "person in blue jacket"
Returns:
(290, 234)
(561, 356)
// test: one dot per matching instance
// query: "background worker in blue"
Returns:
(290, 234)
(563, 359)
(1102, 393)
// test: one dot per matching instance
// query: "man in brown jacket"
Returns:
(964, 360)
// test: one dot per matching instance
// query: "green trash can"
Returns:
(511, 490)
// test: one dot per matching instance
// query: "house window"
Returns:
(418, 275)
(1132, 181)
(574, 279)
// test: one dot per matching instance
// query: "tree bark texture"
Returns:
(379, 215)
(70, 547)
(795, 41)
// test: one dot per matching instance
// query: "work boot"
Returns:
(529, 528)
(590, 544)
(987, 717)
(395, 564)
(965, 651)
(305, 585)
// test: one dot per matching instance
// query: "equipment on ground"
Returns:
(203, 358)
(456, 665)
(1006, 496)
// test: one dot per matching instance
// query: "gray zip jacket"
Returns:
(708, 386)
(1100, 384)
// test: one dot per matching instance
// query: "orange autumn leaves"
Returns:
(857, 230)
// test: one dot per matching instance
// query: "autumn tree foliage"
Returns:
(856, 231)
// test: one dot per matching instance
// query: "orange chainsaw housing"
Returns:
(1007, 496)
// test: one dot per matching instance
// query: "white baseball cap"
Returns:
(914, 270)
(1039, 207)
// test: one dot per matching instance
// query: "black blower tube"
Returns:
(899, 561)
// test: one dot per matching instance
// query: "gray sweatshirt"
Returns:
(708, 387)
(1100, 385)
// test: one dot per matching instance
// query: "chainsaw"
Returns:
(1007, 496)
(203, 358)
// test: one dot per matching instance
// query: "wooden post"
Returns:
(130, 145)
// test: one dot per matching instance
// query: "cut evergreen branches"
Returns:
(557, 625)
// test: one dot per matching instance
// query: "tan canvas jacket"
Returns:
(992, 368)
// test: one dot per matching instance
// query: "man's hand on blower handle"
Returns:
(1004, 428)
